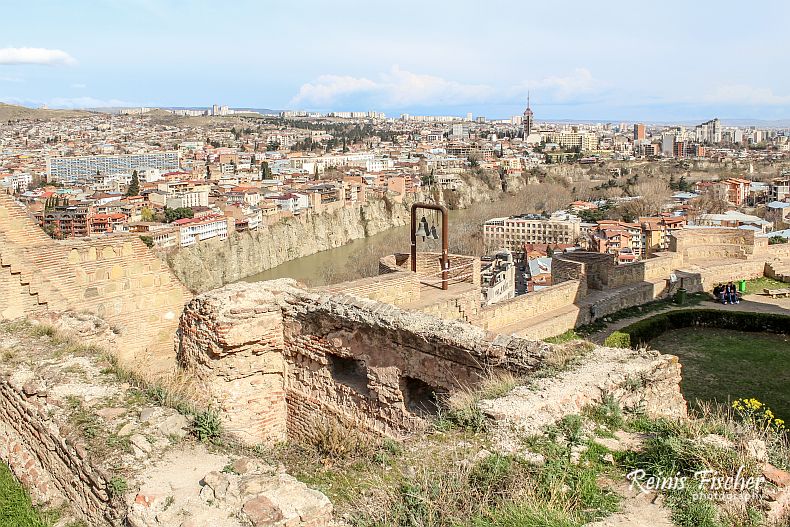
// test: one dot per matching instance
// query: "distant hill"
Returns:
(10, 112)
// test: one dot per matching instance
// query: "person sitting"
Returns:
(718, 293)
(732, 294)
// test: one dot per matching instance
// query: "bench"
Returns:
(773, 293)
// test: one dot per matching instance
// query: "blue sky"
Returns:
(614, 60)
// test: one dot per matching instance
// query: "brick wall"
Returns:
(526, 306)
(53, 466)
(344, 357)
(114, 276)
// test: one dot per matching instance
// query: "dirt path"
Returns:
(750, 303)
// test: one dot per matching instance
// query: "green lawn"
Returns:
(723, 365)
(757, 285)
(15, 507)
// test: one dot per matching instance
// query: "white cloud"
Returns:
(396, 87)
(49, 57)
(746, 95)
(402, 88)
(87, 102)
(565, 88)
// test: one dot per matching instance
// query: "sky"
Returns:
(608, 61)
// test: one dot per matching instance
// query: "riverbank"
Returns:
(214, 263)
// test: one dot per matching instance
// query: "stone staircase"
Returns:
(778, 269)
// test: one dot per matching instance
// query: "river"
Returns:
(356, 259)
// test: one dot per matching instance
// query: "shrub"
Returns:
(618, 339)
(206, 426)
(117, 486)
(335, 439)
(645, 330)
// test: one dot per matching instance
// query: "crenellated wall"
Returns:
(114, 276)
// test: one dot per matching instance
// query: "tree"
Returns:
(134, 186)
(149, 241)
(179, 213)
(775, 240)
(147, 214)
(266, 172)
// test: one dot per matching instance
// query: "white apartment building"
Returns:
(192, 230)
(176, 194)
(585, 141)
(70, 169)
(16, 182)
(515, 231)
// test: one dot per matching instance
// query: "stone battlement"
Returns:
(114, 276)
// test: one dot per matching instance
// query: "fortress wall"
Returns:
(525, 306)
(277, 359)
(462, 268)
(52, 466)
(114, 276)
(396, 287)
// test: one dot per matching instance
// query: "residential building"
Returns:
(515, 232)
(69, 170)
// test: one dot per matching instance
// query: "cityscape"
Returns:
(445, 292)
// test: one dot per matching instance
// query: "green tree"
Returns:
(134, 186)
(179, 213)
(147, 214)
(149, 241)
(266, 172)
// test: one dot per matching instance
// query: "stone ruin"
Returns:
(276, 358)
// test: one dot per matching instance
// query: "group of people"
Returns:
(726, 293)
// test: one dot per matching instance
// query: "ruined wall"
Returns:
(54, 467)
(233, 342)
(114, 276)
(345, 357)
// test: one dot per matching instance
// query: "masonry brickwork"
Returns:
(344, 358)
(114, 276)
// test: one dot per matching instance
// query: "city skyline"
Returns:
(641, 65)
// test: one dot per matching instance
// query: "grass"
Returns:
(16, 508)
(722, 365)
(756, 286)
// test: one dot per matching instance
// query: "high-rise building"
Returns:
(709, 132)
(639, 132)
(527, 122)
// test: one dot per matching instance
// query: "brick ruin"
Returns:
(277, 358)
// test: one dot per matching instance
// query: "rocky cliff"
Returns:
(214, 263)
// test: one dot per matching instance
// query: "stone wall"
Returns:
(343, 357)
(712, 243)
(462, 268)
(54, 468)
(396, 287)
(533, 304)
(114, 276)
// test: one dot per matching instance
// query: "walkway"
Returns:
(754, 303)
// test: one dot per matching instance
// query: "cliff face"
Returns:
(214, 263)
